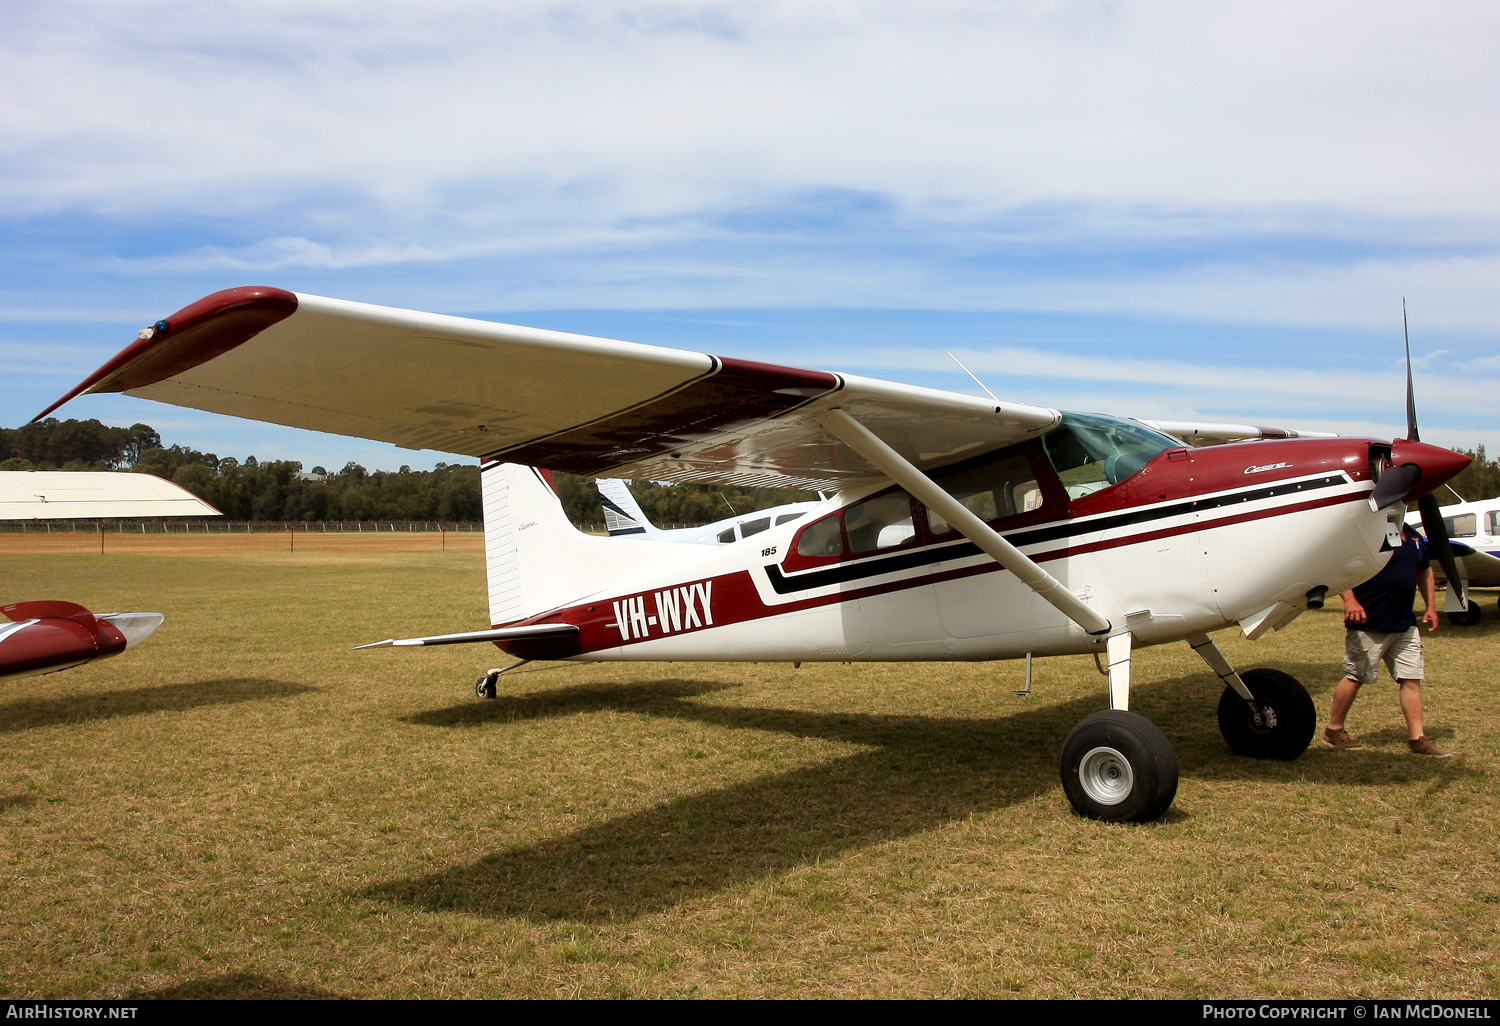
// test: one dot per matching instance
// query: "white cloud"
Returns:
(666, 107)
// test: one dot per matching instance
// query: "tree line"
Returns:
(280, 490)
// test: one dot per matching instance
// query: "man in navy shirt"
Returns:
(1381, 626)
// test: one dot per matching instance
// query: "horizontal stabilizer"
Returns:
(540, 630)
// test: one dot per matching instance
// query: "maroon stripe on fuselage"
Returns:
(195, 334)
(736, 394)
(736, 599)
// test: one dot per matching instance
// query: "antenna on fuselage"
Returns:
(971, 374)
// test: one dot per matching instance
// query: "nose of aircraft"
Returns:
(1438, 465)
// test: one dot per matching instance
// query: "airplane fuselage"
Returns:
(1195, 541)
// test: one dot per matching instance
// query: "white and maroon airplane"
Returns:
(961, 527)
(47, 636)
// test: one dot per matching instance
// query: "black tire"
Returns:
(484, 687)
(1281, 723)
(1118, 767)
(1470, 618)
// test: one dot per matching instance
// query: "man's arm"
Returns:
(1427, 585)
(1354, 613)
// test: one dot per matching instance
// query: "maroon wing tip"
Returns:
(195, 334)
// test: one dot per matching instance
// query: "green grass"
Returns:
(243, 806)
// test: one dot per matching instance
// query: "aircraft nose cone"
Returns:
(1438, 465)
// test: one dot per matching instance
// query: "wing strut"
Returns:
(894, 466)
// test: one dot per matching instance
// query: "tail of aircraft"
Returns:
(535, 559)
(622, 513)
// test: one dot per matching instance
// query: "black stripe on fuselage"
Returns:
(846, 572)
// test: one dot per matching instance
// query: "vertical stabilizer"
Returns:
(622, 513)
(536, 560)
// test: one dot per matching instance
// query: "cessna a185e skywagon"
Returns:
(960, 527)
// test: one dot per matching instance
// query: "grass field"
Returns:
(244, 806)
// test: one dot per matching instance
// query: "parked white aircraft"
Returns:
(47, 636)
(624, 518)
(1474, 531)
(961, 527)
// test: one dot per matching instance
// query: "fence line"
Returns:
(174, 525)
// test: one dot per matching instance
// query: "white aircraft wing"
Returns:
(1481, 568)
(586, 405)
(1205, 432)
(62, 495)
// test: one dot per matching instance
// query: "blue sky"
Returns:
(1160, 210)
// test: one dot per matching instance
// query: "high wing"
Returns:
(62, 495)
(590, 406)
(1202, 432)
(1481, 568)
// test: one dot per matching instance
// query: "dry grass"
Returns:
(244, 806)
(215, 544)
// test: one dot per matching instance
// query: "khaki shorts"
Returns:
(1401, 651)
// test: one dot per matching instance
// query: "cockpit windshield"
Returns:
(1090, 451)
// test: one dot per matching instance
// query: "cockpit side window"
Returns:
(992, 491)
(1090, 452)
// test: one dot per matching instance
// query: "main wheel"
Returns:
(1117, 766)
(1280, 723)
(1470, 618)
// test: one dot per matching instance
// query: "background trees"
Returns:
(281, 490)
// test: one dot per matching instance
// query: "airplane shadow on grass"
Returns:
(924, 771)
(30, 713)
(237, 986)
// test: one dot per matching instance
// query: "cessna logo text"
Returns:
(1268, 466)
(677, 609)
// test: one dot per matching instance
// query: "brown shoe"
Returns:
(1340, 739)
(1422, 746)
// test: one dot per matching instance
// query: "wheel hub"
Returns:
(1105, 776)
(1262, 718)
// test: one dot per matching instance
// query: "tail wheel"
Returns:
(484, 687)
(1279, 724)
(1118, 767)
(1469, 618)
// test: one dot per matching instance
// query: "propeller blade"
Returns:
(1437, 537)
(1411, 393)
(1395, 485)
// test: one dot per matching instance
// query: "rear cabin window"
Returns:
(725, 537)
(787, 518)
(1494, 522)
(1462, 526)
(750, 527)
(822, 538)
(991, 491)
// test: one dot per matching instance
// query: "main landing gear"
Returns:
(1468, 618)
(1117, 766)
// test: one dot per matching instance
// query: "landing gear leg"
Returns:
(485, 687)
(1265, 714)
(1467, 616)
(1117, 765)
